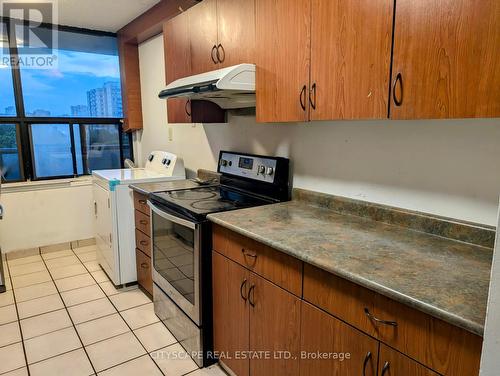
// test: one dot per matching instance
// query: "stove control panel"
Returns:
(248, 166)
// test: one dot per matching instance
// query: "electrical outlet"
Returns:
(170, 134)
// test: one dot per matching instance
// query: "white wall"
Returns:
(37, 217)
(447, 167)
(490, 362)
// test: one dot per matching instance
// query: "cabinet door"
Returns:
(282, 56)
(324, 334)
(236, 31)
(393, 363)
(350, 59)
(177, 64)
(446, 54)
(230, 309)
(274, 329)
(144, 275)
(203, 36)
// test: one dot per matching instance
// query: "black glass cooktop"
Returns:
(198, 202)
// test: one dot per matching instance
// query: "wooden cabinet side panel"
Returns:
(236, 31)
(202, 36)
(351, 45)
(274, 328)
(283, 59)
(447, 52)
(177, 63)
(130, 85)
(230, 313)
(345, 348)
(397, 364)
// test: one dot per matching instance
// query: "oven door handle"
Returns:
(171, 217)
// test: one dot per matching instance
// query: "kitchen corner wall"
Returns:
(448, 168)
(46, 213)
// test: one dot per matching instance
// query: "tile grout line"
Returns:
(131, 330)
(18, 322)
(71, 319)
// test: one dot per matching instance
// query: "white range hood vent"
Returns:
(230, 88)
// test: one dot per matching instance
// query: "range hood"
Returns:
(230, 88)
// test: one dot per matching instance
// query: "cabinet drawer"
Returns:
(440, 346)
(143, 242)
(144, 275)
(279, 268)
(141, 203)
(142, 223)
(339, 297)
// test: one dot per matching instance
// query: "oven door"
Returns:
(176, 259)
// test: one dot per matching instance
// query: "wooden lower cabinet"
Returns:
(330, 347)
(230, 313)
(264, 326)
(274, 329)
(144, 276)
(256, 323)
(393, 363)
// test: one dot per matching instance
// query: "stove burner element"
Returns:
(194, 194)
(213, 205)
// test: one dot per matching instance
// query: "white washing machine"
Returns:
(114, 211)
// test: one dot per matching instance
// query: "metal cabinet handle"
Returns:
(221, 57)
(95, 208)
(377, 320)
(385, 368)
(312, 94)
(144, 265)
(143, 222)
(188, 103)
(214, 57)
(243, 284)
(144, 242)
(397, 101)
(142, 202)
(251, 296)
(245, 253)
(302, 97)
(365, 363)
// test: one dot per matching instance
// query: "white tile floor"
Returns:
(62, 316)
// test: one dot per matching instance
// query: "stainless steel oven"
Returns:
(176, 260)
(182, 242)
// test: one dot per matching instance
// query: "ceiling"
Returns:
(103, 15)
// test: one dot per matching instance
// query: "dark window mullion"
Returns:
(120, 143)
(73, 149)
(83, 145)
(25, 147)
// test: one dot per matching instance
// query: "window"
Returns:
(7, 101)
(84, 83)
(10, 166)
(63, 120)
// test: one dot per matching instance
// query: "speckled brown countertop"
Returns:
(445, 278)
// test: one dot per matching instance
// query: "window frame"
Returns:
(23, 122)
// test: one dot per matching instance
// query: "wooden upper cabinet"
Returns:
(203, 36)
(230, 312)
(350, 59)
(236, 31)
(130, 85)
(282, 58)
(177, 64)
(274, 328)
(446, 55)
(393, 363)
(326, 334)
